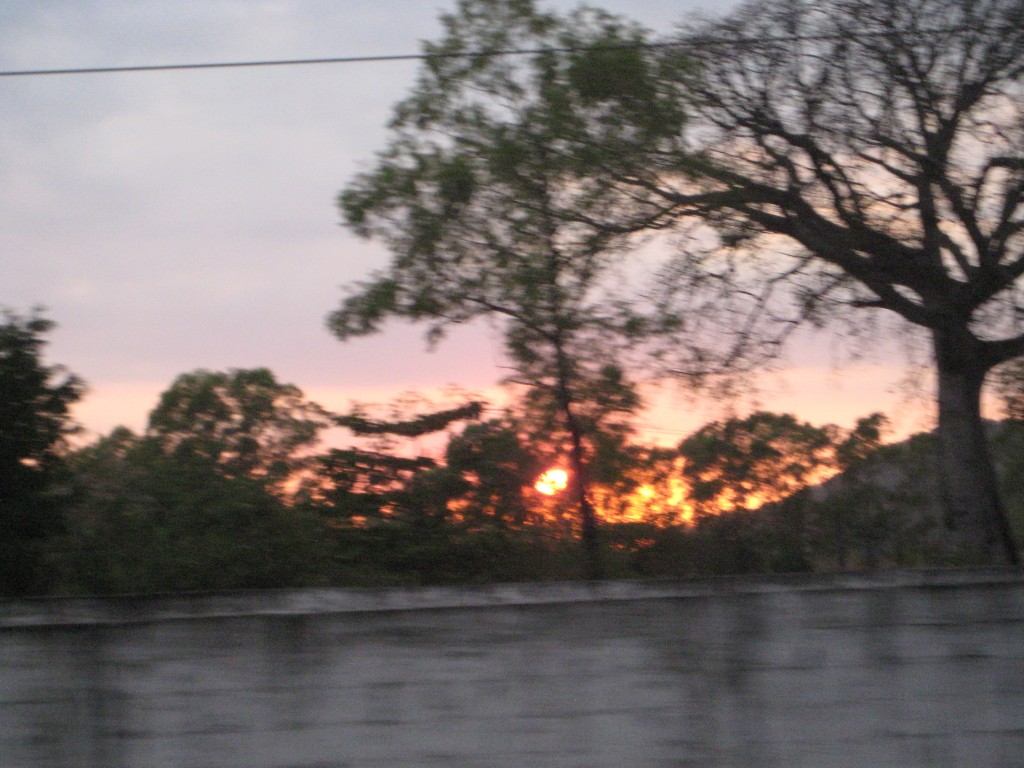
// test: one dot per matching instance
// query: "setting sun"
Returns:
(552, 481)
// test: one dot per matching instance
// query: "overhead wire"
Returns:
(693, 42)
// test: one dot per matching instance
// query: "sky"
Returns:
(169, 221)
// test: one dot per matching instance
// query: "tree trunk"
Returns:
(580, 484)
(973, 508)
(588, 518)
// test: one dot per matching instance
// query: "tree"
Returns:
(868, 153)
(495, 466)
(741, 464)
(142, 520)
(242, 422)
(357, 485)
(35, 422)
(204, 499)
(371, 483)
(395, 517)
(486, 194)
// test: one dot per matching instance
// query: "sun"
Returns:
(552, 481)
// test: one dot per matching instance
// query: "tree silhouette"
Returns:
(484, 193)
(242, 422)
(740, 464)
(868, 155)
(35, 421)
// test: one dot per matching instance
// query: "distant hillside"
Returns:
(889, 510)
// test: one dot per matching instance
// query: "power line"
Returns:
(209, 65)
(326, 60)
(694, 42)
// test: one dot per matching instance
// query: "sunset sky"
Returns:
(177, 220)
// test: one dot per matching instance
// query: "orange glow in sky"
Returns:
(658, 495)
(552, 481)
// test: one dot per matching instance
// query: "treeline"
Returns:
(230, 487)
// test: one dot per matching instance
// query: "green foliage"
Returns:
(201, 501)
(492, 163)
(35, 420)
(35, 399)
(715, 545)
(862, 443)
(882, 510)
(179, 509)
(141, 520)
(762, 458)
(241, 423)
(609, 73)
(357, 485)
(494, 466)
(398, 554)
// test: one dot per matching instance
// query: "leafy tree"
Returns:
(422, 424)
(397, 518)
(202, 500)
(495, 466)
(242, 422)
(866, 153)
(35, 421)
(823, 496)
(141, 519)
(861, 443)
(487, 197)
(744, 463)
(856, 456)
(357, 485)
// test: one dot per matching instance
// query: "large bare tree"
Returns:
(870, 153)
